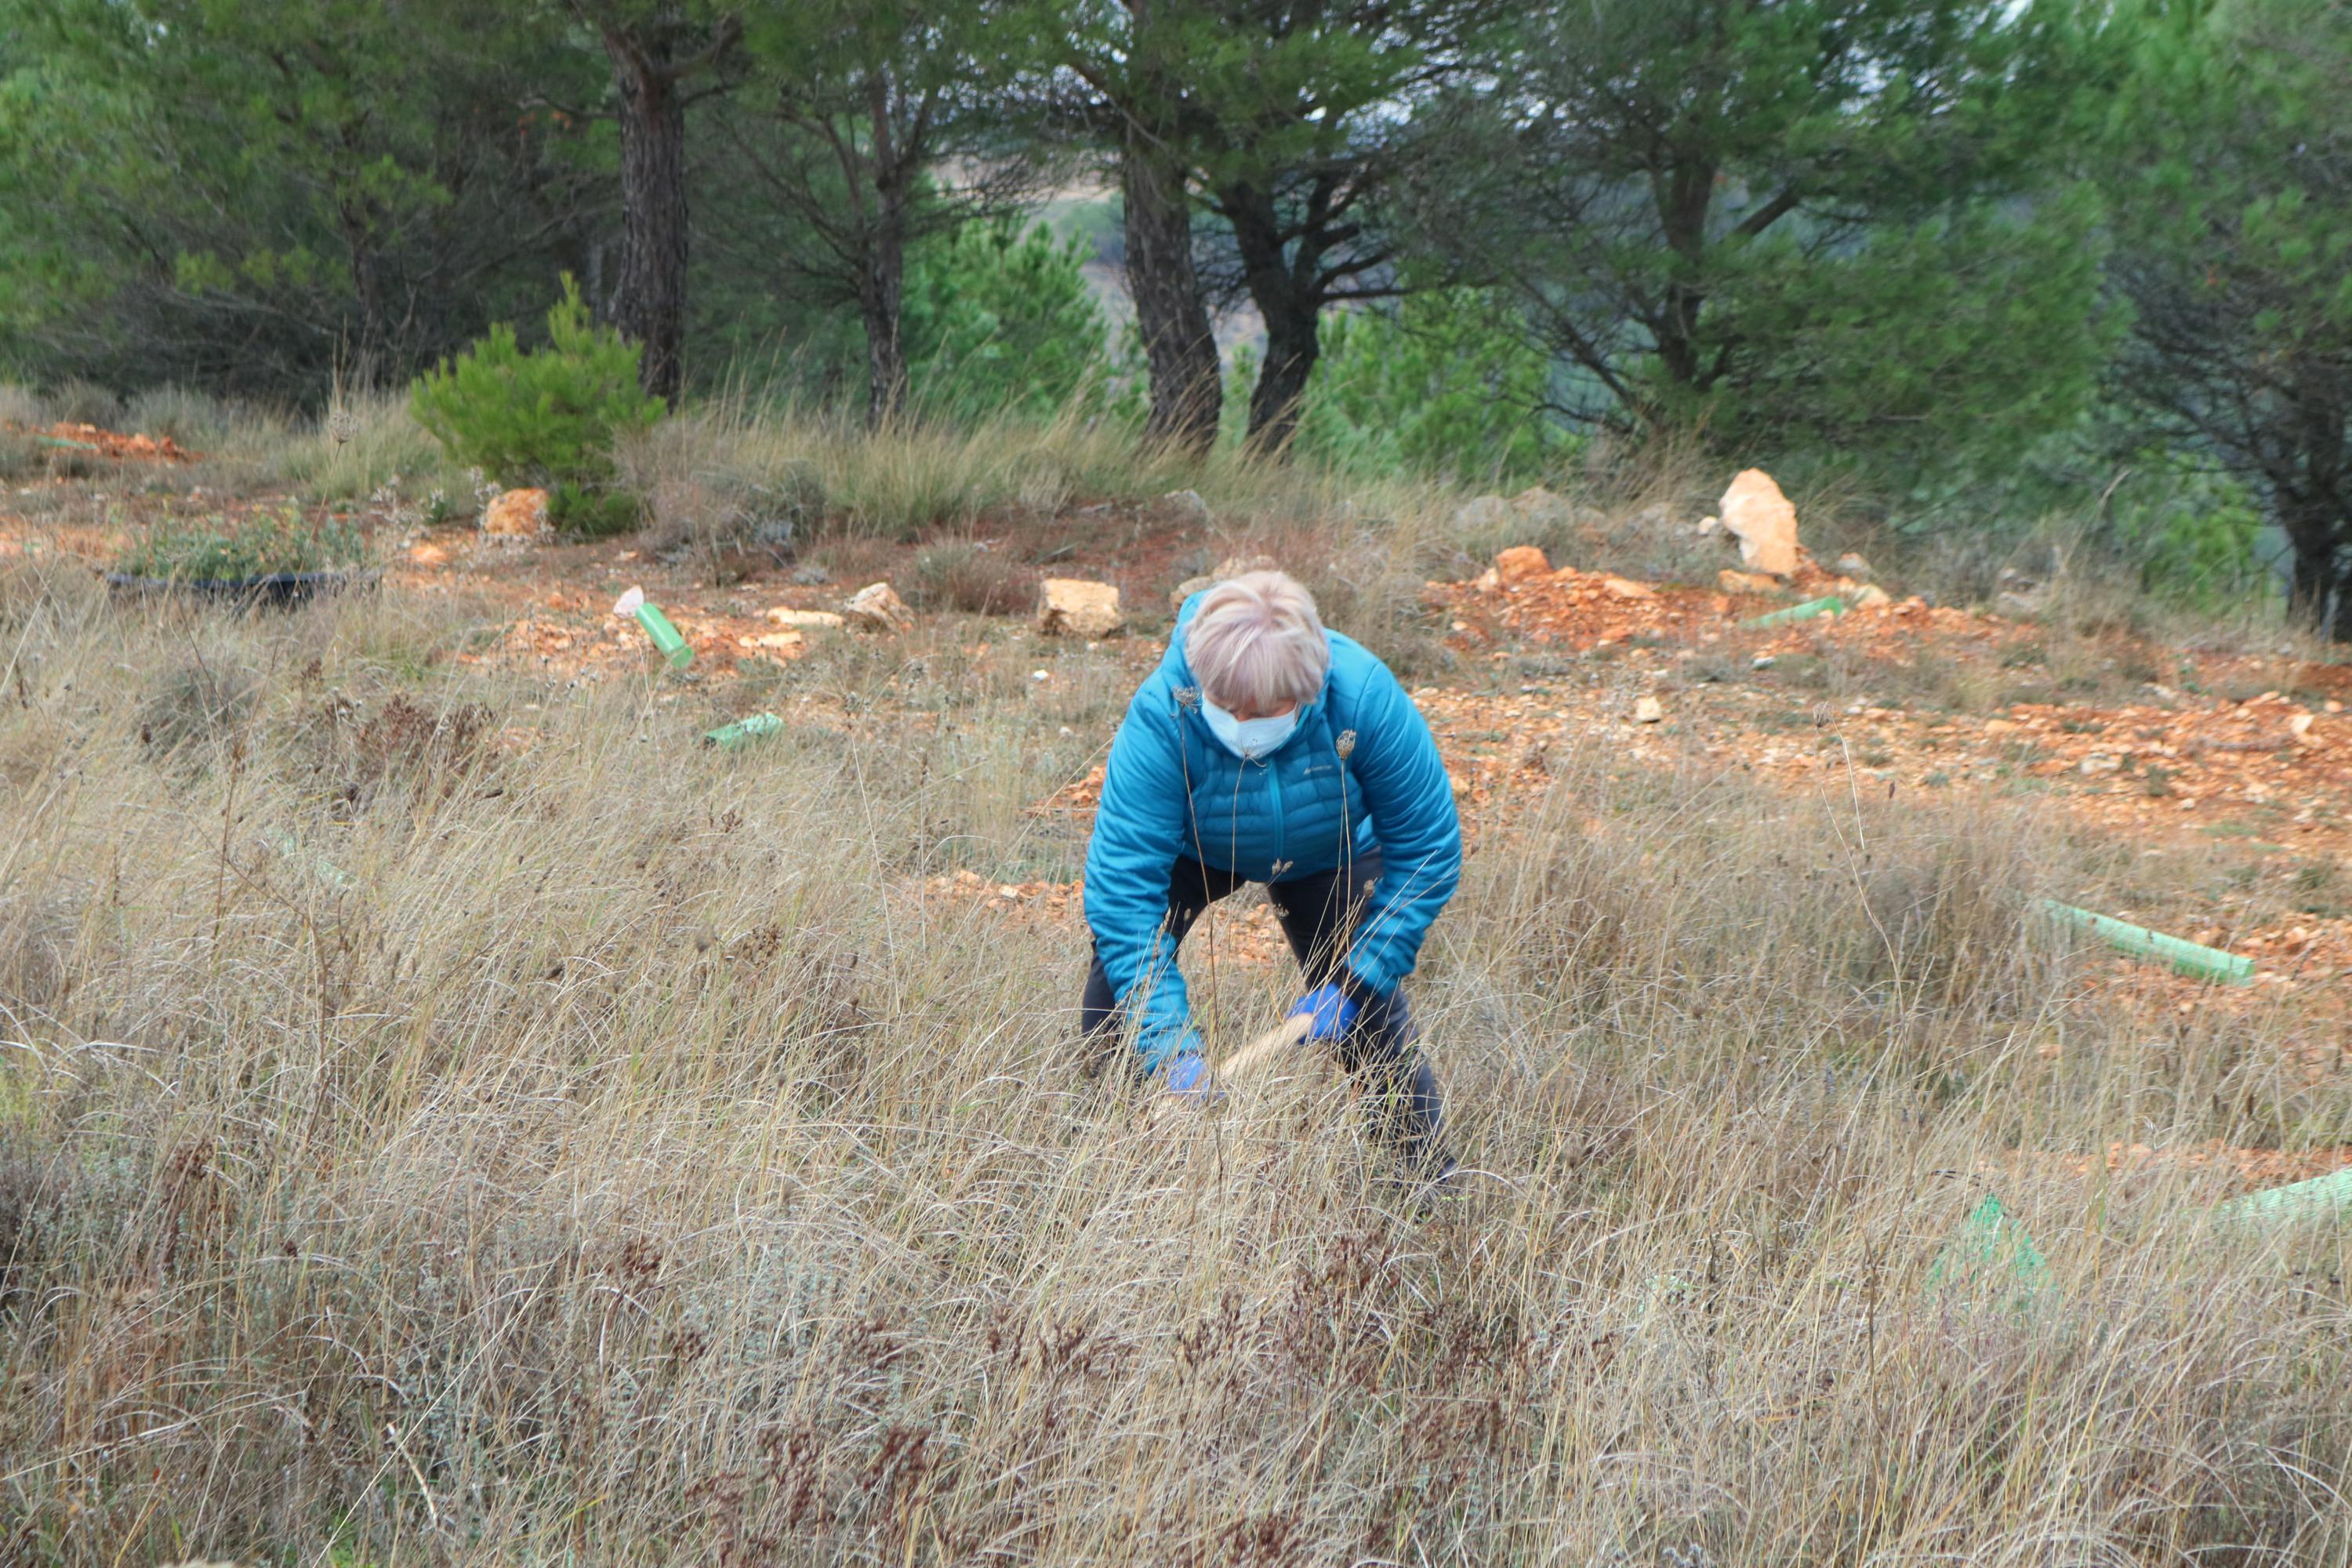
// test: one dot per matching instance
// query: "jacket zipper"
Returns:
(1281, 828)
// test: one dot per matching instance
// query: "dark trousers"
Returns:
(1318, 913)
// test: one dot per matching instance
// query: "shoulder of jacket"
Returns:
(1357, 677)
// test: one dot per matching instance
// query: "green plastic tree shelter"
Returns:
(1990, 1244)
(727, 737)
(1829, 605)
(2185, 957)
(2313, 1199)
(673, 646)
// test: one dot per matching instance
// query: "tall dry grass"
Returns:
(454, 1118)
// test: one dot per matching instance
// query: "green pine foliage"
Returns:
(548, 417)
(1446, 384)
(999, 320)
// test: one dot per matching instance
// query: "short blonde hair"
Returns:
(1257, 643)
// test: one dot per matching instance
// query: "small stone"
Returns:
(516, 514)
(1625, 588)
(1190, 505)
(2299, 726)
(1234, 566)
(810, 575)
(1520, 562)
(1186, 589)
(2097, 764)
(1764, 522)
(1649, 710)
(1870, 596)
(1709, 526)
(807, 620)
(1072, 607)
(875, 609)
(777, 641)
(1852, 564)
(2020, 605)
(1762, 661)
(1537, 505)
(1736, 581)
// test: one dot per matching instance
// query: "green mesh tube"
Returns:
(1830, 605)
(665, 635)
(2185, 957)
(727, 737)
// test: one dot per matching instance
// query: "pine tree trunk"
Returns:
(1187, 382)
(650, 307)
(885, 353)
(1282, 286)
(2322, 541)
(1293, 344)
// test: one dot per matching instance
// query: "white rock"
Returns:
(806, 620)
(1649, 710)
(1072, 607)
(875, 609)
(1763, 521)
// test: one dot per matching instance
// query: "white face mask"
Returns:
(1248, 738)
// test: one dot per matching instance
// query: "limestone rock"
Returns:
(1626, 588)
(1074, 607)
(1870, 596)
(810, 575)
(1189, 504)
(1709, 526)
(1852, 565)
(2023, 606)
(1232, 566)
(516, 514)
(1649, 710)
(1538, 506)
(1485, 514)
(875, 609)
(1520, 562)
(1732, 582)
(1765, 523)
(806, 620)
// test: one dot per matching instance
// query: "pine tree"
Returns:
(2231, 184)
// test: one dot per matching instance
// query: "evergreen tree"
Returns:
(1829, 223)
(858, 111)
(2232, 190)
(247, 195)
(661, 55)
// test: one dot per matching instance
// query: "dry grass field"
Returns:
(447, 1115)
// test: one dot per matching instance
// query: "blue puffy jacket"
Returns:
(1361, 762)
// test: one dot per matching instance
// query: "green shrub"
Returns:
(224, 549)
(998, 321)
(549, 417)
(2192, 531)
(1442, 386)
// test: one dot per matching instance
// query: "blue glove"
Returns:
(1332, 1010)
(1188, 1075)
